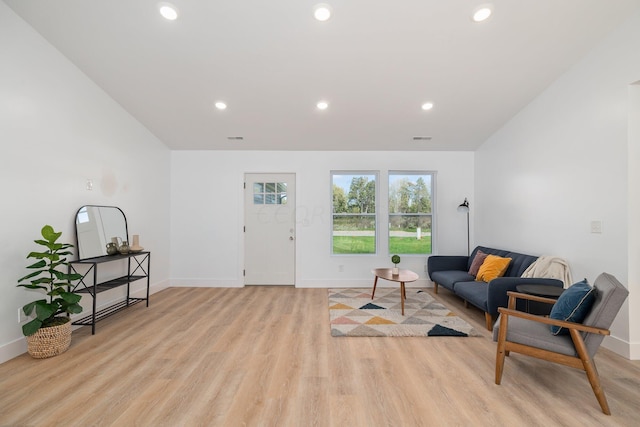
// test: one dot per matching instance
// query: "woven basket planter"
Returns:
(49, 342)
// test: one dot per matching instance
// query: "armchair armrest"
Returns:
(498, 288)
(549, 321)
(518, 295)
(447, 263)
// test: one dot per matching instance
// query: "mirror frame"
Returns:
(104, 249)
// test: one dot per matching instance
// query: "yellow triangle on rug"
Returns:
(379, 321)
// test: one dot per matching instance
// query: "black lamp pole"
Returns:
(464, 207)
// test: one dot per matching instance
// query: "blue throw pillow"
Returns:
(573, 305)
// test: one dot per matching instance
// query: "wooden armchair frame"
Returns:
(582, 361)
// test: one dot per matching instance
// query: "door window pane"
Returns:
(269, 193)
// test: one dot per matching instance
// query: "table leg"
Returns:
(375, 282)
(402, 296)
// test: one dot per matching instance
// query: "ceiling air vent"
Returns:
(422, 138)
(235, 138)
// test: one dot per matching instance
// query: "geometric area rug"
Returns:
(352, 313)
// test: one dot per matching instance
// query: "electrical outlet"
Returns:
(596, 227)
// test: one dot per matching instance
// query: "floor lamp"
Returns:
(464, 208)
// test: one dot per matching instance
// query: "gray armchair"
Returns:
(531, 335)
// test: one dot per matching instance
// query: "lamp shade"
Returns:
(464, 206)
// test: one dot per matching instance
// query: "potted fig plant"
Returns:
(49, 332)
(395, 259)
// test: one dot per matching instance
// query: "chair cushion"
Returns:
(477, 262)
(492, 267)
(535, 334)
(573, 305)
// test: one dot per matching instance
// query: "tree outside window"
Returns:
(410, 212)
(354, 212)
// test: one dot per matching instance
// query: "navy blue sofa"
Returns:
(451, 272)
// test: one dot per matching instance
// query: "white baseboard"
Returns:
(19, 346)
(358, 283)
(622, 347)
(13, 349)
(206, 283)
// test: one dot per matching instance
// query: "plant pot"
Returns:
(50, 341)
(395, 271)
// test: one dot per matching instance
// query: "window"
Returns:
(410, 212)
(354, 212)
(270, 193)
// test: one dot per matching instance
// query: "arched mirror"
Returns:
(96, 226)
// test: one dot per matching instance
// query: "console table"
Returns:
(138, 268)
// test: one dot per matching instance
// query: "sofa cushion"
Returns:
(448, 279)
(477, 262)
(474, 293)
(492, 267)
(519, 262)
(573, 305)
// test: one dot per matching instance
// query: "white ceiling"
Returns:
(375, 61)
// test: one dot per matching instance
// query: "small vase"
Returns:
(395, 271)
(136, 244)
(124, 248)
(112, 249)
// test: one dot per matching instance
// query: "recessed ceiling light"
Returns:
(221, 105)
(482, 13)
(322, 12)
(427, 106)
(322, 105)
(168, 11)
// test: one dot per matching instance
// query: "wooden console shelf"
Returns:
(138, 268)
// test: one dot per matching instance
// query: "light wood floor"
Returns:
(263, 356)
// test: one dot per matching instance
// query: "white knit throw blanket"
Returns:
(551, 267)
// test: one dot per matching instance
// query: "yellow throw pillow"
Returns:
(492, 267)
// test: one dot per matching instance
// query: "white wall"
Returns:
(562, 163)
(207, 212)
(58, 129)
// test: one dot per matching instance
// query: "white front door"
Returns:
(270, 229)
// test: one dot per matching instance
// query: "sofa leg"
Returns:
(488, 321)
(435, 288)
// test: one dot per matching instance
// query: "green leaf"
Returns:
(31, 327)
(44, 310)
(30, 275)
(28, 308)
(74, 308)
(39, 255)
(49, 234)
(42, 280)
(70, 297)
(39, 264)
(30, 286)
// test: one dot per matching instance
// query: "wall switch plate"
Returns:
(596, 227)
